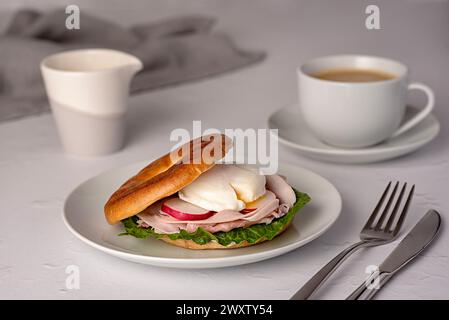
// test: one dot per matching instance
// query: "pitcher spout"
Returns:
(135, 65)
(131, 65)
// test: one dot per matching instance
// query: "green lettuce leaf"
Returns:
(252, 234)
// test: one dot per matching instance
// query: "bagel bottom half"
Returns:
(190, 244)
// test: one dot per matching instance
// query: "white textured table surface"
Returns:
(35, 176)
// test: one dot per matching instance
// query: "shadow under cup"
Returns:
(88, 91)
(352, 114)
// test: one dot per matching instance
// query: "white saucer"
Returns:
(294, 133)
(83, 215)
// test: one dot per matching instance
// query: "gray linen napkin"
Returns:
(172, 51)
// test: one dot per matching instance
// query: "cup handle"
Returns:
(423, 113)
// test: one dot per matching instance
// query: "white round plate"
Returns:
(293, 132)
(83, 215)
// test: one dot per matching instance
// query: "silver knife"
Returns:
(416, 241)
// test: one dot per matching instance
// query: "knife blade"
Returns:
(416, 241)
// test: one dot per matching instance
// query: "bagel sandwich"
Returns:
(187, 199)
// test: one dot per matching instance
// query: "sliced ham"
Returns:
(276, 202)
(228, 226)
(159, 226)
(281, 188)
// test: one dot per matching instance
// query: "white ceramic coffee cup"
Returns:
(88, 91)
(357, 114)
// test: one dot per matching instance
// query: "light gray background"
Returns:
(35, 176)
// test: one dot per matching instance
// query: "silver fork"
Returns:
(374, 233)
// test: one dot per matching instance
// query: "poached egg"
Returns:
(225, 187)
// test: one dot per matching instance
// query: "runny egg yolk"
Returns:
(255, 203)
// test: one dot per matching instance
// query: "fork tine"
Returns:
(404, 211)
(377, 208)
(395, 208)
(387, 207)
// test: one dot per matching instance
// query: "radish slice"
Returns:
(247, 210)
(183, 210)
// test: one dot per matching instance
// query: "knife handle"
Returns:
(365, 291)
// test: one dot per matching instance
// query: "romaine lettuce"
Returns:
(251, 234)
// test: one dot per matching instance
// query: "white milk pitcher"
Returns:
(88, 91)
